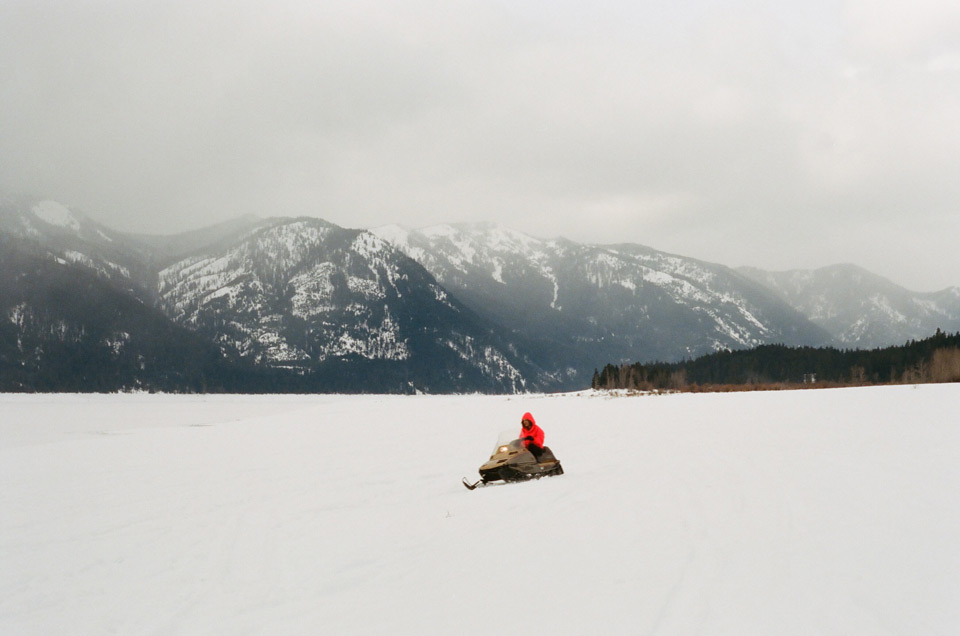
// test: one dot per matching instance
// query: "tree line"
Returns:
(934, 359)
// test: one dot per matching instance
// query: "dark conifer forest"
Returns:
(935, 359)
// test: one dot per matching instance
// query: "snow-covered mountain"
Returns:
(308, 295)
(69, 326)
(74, 238)
(581, 306)
(316, 306)
(301, 304)
(861, 309)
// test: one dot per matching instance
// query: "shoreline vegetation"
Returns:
(778, 367)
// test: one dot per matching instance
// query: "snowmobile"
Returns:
(510, 461)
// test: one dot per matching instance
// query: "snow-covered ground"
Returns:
(803, 512)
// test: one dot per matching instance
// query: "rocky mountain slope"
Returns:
(310, 296)
(318, 306)
(579, 305)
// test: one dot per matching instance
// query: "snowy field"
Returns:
(802, 512)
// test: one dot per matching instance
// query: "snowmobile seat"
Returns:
(547, 455)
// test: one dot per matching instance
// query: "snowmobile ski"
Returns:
(473, 485)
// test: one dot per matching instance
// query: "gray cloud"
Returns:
(786, 135)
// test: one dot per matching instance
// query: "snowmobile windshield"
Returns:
(506, 438)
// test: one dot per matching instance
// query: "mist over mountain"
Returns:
(859, 308)
(318, 306)
(300, 304)
(578, 304)
(69, 326)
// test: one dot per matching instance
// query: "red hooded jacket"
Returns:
(534, 431)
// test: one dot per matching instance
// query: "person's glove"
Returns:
(528, 438)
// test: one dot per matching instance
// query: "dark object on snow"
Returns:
(512, 462)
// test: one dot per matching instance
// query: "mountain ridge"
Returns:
(450, 307)
(622, 302)
(331, 308)
(860, 308)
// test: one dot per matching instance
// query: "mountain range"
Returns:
(862, 310)
(300, 304)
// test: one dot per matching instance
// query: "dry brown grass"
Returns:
(771, 386)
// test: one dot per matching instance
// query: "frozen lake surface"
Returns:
(800, 512)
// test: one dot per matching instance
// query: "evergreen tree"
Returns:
(935, 359)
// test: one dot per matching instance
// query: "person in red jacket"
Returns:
(531, 435)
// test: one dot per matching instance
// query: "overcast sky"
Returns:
(784, 135)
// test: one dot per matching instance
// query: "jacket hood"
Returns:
(528, 416)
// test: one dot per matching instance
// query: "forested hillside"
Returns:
(935, 359)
